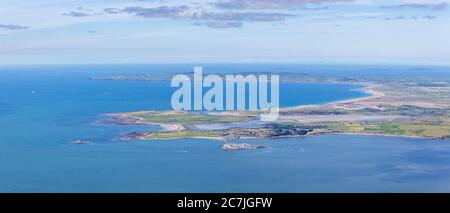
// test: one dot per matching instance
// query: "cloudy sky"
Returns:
(175, 31)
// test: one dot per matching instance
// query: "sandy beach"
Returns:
(369, 89)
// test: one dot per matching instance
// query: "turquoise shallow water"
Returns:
(36, 127)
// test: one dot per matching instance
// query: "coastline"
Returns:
(371, 89)
(122, 119)
(169, 127)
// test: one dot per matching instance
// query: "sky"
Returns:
(224, 31)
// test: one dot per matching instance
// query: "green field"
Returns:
(419, 129)
(185, 118)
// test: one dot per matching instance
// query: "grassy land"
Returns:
(183, 134)
(419, 129)
(185, 118)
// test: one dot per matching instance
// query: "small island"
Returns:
(80, 142)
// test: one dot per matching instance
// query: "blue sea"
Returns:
(43, 108)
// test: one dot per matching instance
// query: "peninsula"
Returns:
(406, 107)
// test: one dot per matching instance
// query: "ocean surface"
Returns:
(43, 108)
